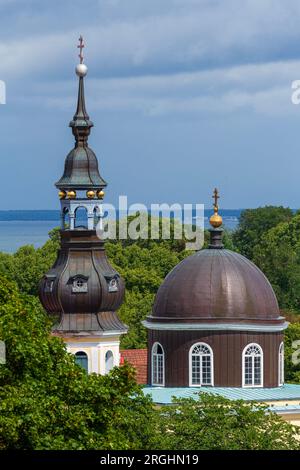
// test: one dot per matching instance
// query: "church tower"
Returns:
(82, 289)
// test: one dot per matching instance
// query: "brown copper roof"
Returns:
(81, 166)
(216, 285)
(89, 323)
(81, 170)
(82, 255)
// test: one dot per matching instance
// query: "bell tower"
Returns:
(82, 289)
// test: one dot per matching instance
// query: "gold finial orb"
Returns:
(90, 194)
(71, 194)
(216, 220)
(100, 194)
(62, 194)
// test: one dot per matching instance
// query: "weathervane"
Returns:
(81, 68)
(216, 197)
(81, 46)
(216, 220)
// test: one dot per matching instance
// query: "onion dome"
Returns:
(82, 287)
(216, 286)
(81, 166)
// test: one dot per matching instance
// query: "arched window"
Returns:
(253, 366)
(158, 365)
(201, 365)
(281, 365)
(82, 360)
(81, 220)
(66, 219)
(109, 361)
(96, 213)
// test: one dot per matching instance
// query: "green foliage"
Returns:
(156, 230)
(254, 223)
(278, 256)
(142, 263)
(215, 423)
(48, 402)
(291, 346)
(27, 266)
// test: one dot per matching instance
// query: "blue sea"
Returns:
(31, 227)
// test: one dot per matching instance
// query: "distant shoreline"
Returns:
(54, 215)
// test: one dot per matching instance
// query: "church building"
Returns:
(82, 290)
(216, 322)
(215, 325)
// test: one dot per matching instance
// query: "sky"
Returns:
(185, 95)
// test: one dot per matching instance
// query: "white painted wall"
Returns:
(96, 350)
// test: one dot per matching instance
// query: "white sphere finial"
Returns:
(81, 70)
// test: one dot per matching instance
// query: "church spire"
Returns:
(81, 123)
(81, 166)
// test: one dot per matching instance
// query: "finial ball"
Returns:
(81, 70)
(216, 220)
(100, 194)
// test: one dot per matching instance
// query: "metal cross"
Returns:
(80, 46)
(216, 197)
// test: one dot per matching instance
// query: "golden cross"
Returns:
(216, 197)
(80, 46)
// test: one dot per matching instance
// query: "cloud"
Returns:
(149, 38)
(259, 88)
(156, 68)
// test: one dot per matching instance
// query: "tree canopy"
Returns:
(277, 254)
(216, 423)
(254, 223)
(48, 402)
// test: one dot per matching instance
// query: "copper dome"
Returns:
(215, 286)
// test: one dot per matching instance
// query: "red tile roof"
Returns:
(138, 359)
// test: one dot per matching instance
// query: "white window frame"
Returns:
(112, 357)
(152, 365)
(211, 353)
(87, 355)
(261, 367)
(281, 364)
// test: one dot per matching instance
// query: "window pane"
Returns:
(82, 360)
(257, 370)
(109, 361)
(158, 365)
(196, 377)
(206, 370)
(248, 370)
(201, 367)
(281, 365)
(253, 366)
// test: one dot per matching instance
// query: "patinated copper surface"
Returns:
(81, 166)
(82, 255)
(216, 285)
